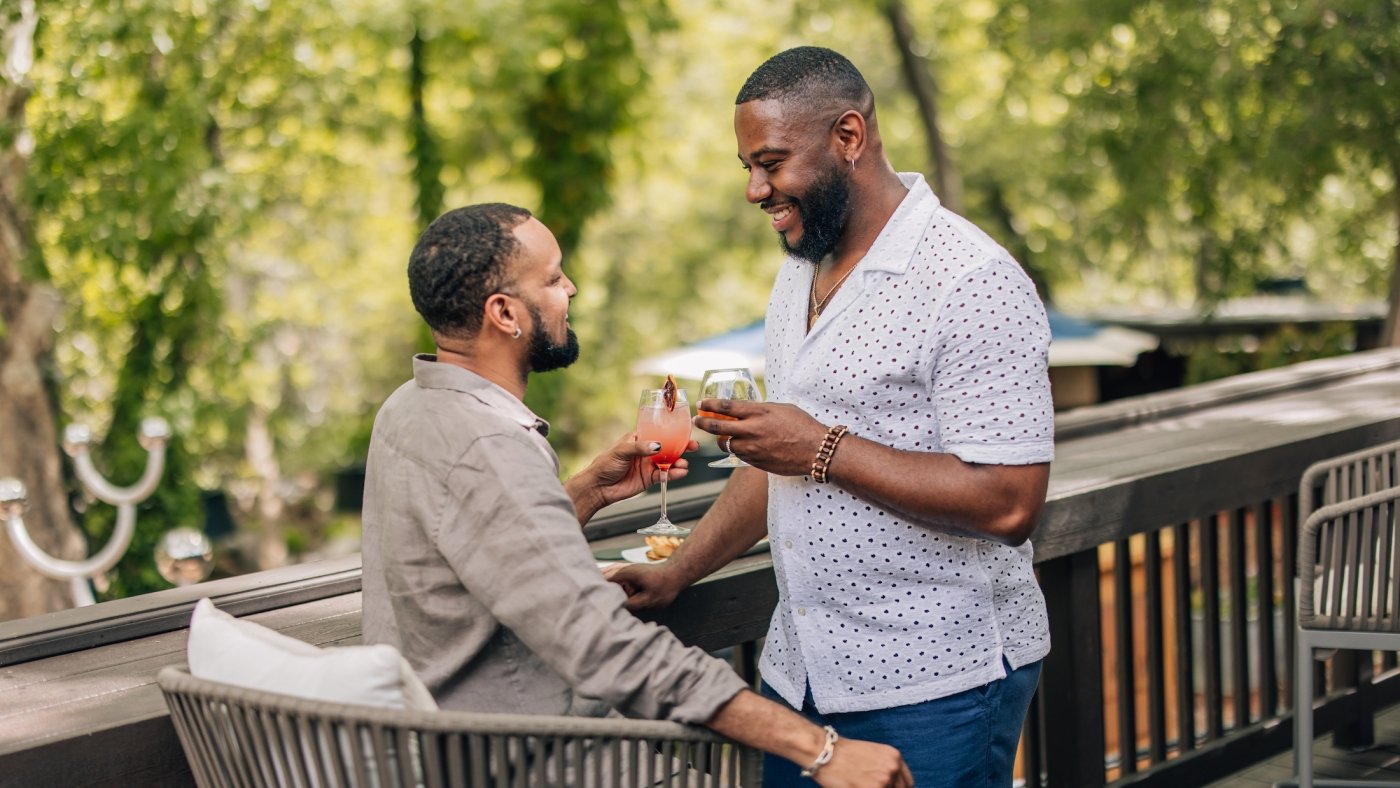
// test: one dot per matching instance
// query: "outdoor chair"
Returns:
(1348, 575)
(234, 736)
(1348, 476)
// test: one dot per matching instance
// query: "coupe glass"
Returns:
(737, 383)
(670, 426)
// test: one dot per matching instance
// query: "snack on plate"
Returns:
(661, 547)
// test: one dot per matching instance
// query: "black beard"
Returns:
(546, 356)
(825, 209)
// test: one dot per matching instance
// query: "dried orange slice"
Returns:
(668, 393)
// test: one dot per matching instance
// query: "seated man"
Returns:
(474, 564)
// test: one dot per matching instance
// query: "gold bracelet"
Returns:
(824, 757)
(828, 449)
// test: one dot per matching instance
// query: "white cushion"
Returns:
(233, 651)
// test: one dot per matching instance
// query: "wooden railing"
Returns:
(1167, 516)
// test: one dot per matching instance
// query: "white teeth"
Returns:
(781, 214)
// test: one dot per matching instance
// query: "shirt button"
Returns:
(788, 544)
(802, 611)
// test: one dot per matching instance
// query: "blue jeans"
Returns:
(963, 740)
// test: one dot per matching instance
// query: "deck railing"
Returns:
(1166, 554)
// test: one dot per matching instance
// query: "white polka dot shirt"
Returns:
(938, 343)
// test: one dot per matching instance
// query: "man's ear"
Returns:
(850, 136)
(500, 314)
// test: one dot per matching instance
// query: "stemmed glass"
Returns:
(736, 383)
(669, 424)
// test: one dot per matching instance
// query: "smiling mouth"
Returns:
(782, 216)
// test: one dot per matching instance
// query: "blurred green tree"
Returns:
(569, 74)
(1208, 148)
(141, 211)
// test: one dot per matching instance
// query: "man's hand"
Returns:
(620, 472)
(648, 587)
(778, 438)
(773, 727)
(857, 763)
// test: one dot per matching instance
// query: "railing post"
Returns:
(1071, 686)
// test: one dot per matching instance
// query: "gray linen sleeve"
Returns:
(510, 533)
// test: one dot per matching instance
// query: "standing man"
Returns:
(902, 460)
(474, 565)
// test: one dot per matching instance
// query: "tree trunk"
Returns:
(427, 158)
(1015, 242)
(1390, 335)
(29, 449)
(1205, 277)
(426, 155)
(261, 452)
(947, 182)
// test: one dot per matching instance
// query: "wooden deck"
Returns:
(1381, 762)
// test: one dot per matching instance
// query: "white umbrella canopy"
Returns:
(742, 347)
(1074, 342)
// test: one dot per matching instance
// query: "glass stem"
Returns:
(665, 473)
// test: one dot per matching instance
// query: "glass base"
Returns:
(664, 528)
(732, 461)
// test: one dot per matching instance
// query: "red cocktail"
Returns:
(664, 416)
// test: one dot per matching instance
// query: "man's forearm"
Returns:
(762, 724)
(583, 491)
(997, 502)
(734, 523)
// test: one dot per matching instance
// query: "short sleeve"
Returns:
(989, 372)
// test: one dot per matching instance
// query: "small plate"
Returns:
(638, 555)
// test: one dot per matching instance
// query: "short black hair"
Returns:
(459, 262)
(811, 75)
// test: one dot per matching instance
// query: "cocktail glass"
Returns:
(737, 384)
(668, 423)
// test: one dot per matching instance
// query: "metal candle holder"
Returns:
(154, 435)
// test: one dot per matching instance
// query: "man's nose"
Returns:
(758, 189)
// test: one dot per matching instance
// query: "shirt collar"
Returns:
(429, 373)
(894, 247)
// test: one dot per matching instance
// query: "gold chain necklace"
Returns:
(816, 306)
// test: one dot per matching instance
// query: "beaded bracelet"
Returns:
(825, 453)
(823, 757)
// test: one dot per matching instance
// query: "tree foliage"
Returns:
(1225, 138)
(225, 192)
(161, 129)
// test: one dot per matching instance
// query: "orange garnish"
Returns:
(668, 393)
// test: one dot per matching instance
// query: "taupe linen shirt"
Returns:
(476, 569)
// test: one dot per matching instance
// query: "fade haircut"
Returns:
(812, 76)
(459, 262)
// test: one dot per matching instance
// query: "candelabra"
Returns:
(154, 434)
